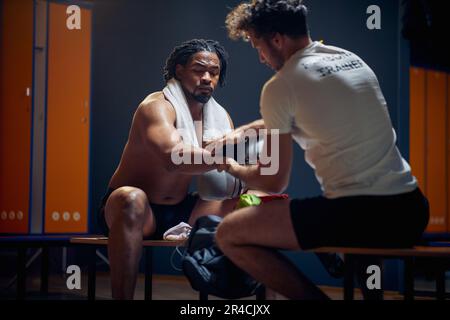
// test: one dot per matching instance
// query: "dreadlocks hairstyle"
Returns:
(266, 17)
(181, 54)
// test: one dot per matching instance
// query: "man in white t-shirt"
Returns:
(328, 101)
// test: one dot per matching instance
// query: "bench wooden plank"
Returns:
(438, 252)
(102, 241)
(419, 251)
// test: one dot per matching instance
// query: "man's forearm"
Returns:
(253, 179)
(195, 161)
(255, 125)
(191, 161)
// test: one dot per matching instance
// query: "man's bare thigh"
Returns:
(217, 208)
(267, 225)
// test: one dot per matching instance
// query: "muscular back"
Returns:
(144, 162)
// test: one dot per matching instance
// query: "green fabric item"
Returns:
(248, 200)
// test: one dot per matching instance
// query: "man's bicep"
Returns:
(276, 107)
(162, 138)
(286, 155)
(278, 148)
(158, 130)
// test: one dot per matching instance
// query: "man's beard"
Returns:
(277, 58)
(202, 98)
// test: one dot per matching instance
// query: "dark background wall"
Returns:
(132, 39)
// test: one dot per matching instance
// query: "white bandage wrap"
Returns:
(253, 149)
(215, 185)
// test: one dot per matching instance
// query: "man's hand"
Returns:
(235, 137)
(274, 180)
(232, 138)
(228, 165)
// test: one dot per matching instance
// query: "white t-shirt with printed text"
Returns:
(331, 102)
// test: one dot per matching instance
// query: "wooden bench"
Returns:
(21, 243)
(93, 243)
(439, 256)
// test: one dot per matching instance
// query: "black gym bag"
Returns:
(208, 269)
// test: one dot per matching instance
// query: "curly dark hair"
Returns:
(182, 53)
(266, 17)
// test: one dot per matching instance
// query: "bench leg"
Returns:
(408, 278)
(348, 277)
(440, 281)
(148, 291)
(21, 272)
(92, 257)
(261, 293)
(361, 263)
(44, 270)
(203, 296)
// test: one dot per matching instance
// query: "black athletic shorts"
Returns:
(166, 216)
(396, 221)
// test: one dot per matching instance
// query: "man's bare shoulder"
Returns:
(155, 107)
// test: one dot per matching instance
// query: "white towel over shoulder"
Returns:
(215, 118)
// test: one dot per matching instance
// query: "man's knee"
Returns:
(127, 205)
(226, 235)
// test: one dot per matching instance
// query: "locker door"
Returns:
(436, 153)
(15, 114)
(417, 127)
(447, 137)
(67, 143)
